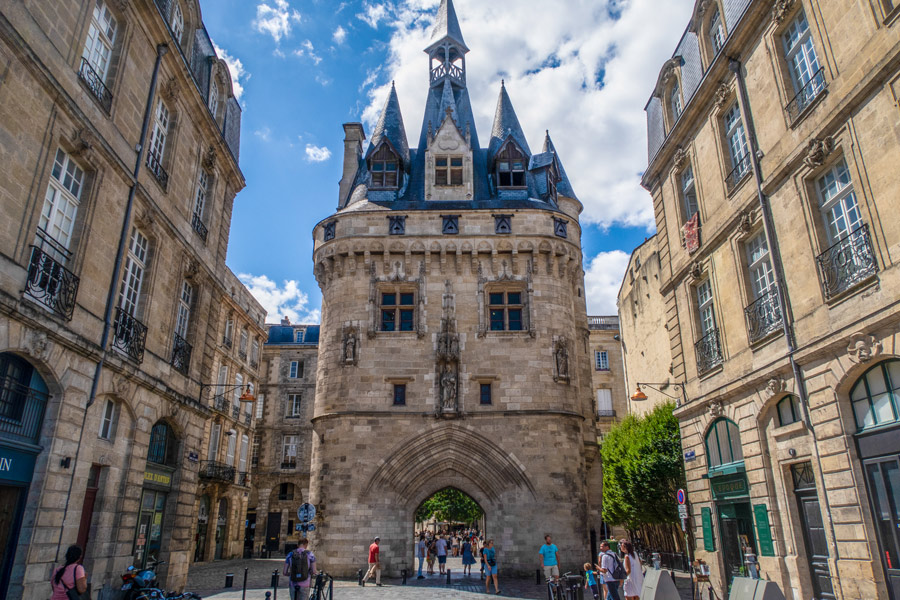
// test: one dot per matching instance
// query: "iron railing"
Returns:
(129, 335)
(289, 465)
(243, 479)
(242, 354)
(181, 355)
(447, 69)
(216, 471)
(154, 164)
(221, 404)
(709, 352)
(606, 413)
(848, 263)
(199, 228)
(94, 82)
(764, 315)
(236, 410)
(600, 323)
(811, 90)
(741, 169)
(254, 364)
(227, 341)
(50, 283)
(21, 411)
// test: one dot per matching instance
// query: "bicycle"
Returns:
(565, 589)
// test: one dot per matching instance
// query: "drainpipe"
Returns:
(735, 66)
(161, 51)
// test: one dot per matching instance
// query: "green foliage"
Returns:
(449, 505)
(642, 470)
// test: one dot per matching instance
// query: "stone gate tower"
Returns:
(453, 348)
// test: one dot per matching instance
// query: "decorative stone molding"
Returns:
(781, 10)
(37, 345)
(680, 158)
(716, 409)
(745, 224)
(209, 159)
(170, 90)
(817, 151)
(723, 93)
(561, 360)
(863, 348)
(776, 385)
(147, 219)
(447, 357)
(83, 140)
(695, 271)
(350, 346)
(122, 387)
(192, 270)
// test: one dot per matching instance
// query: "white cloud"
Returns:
(585, 73)
(276, 19)
(339, 36)
(265, 134)
(309, 51)
(316, 154)
(602, 279)
(239, 76)
(374, 13)
(286, 300)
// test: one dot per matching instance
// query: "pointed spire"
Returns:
(390, 127)
(446, 25)
(564, 186)
(448, 103)
(506, 125)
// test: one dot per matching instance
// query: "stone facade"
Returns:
(785, 217)
(608, 372)
(82, 465)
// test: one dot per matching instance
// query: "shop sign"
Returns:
(16, 465)
(158, 478)
(730, 488)
(763, 530)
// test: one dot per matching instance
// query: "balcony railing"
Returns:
(289, 465)
(764, 315)
(848, 263)
(741, 169)
(129, 335)
(227, 341)
(447, 69)
(248, 419)
(243, 479)
(236, 410)
(199, 228)
(221, 404)
(154, 164)
(181, 355)
(21, 411)
(603, 413)
(811, 90)
(242, 354)
(709, 352)
(51, 284)
(94, 82)
(216, 471)
(254, 364)
(600, 323)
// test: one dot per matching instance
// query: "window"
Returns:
(604, 403)
(248, 406)
(254, 449)
(385, 168)
(876, 396)
(398, 310)
(759, 264)
(716, 32)
(689, 193)
(675, 102)
(230, 449)
(723, 444)
(242, 457)
(162, 445)
(788, 411)
(299, 335)
(296, 371)
(705, 308)
(289, 451)
(242, 347)
(293, 407)
(450, 225)
(214, 436)
(803, 64)
(229, 332)
(133, 275)
(61, 204)
(399, 394)
(108, 421)
(223, 376)
(560, 228)
(177, 22)
(202, 191)
(260, 406)
(510, 167)
(100, 39)
(254, 352)
(397, 225)
(837, 201)
(213, 96)
(184, 310)
(737, 144)
(160, 133)
(448, 170)
(502, 224)
(238, 390)
(601, 360)
(286, 491)
(486, 394)
(505, 310)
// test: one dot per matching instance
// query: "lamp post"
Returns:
(247, 396)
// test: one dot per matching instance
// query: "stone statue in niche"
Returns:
(448, 389)
(348, 355)
(562, 360)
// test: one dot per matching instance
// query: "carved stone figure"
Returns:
(775, 386)
(562, 360)
(680, 158)
(863, 348)
(817, 151)
(716, 409)
(350, 347)
(780, 10)
(723, 92)
(448, 389)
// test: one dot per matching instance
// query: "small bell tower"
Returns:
(447, 52)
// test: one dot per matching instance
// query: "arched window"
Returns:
(163, 445)
(675, 102)
(876, 396)
(510, 167)
(286, 491)
(788, 410)
(23, 398)
(723, 444)
(384, 168)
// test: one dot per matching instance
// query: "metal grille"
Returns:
(221, 404)
(51, 284)
(94, 82)
(216, 471)
(155, 166)
(848, 263)
(740, 170)
(181, 355)
(709, 352)
(199, 227)
(803, 476)
(21, 411)
(129, 335)
(764, 315)
(807, 94)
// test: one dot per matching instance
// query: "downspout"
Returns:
(735, 66)
(161, 51)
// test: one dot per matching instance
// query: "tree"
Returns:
(449, 505)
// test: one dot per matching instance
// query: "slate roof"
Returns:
(446, 25)
(390, 127)
(564, 186)
(506, 125)
(284, 334)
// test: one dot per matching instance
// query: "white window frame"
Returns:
(601, 360)
(202, 192)
(231, 449)
(717, 32)
(213, 96)
(100, 40)
(800, 53)
(108, 420)
(254, 351)
(293, 409)
(260, 406)
(299, 335)
(184, 310)
(161, 120)
(61, 202)
(294, 370)
(223, 376)
(177, 22)
(289, 448)
(689, 192)
(242, 459)
(736, 137)
(133, 274)
(248, 406)
(759, 265)
(675, 102)
(229, 330)
(245, 337)
(215, 436)
(705, 308)
(837, 203)
(238, 388)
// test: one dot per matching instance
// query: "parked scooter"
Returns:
(141, 585)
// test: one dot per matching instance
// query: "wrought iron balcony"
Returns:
(764, 315)
(94, 82)
(254, 364)
(216, 471)
(601, 323)
(154, 164)
(709, 352)
(21, 411)
(289, 465)
(221, 404)
(848, 263)
(741, 169)
(199, 228)
(236, 411)
(811, 90)
(50, 283)
(181, 355)
(242, 354)
(243, 479)
(129, 335)
(606, 413)
(227, 341)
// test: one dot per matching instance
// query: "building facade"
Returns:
(773, 137)
(607, 372)
(454, 346)
(101, 360)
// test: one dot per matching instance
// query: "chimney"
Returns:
(354, 136)
(285, 322)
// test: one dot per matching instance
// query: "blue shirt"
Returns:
(590, 578)
(488, 554)
(549, 554)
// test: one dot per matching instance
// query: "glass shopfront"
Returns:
(158, 476)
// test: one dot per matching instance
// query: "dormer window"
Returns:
(385, 169)
(675, 101)
(716, 32)
(448, 170)
(510, 167)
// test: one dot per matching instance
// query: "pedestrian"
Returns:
(612, 570)
(421, 553)
(489, 554)
(468, 558)
(300, 567)
(70, 576)
(455, 546)
(590, 580)
(431, 557)
(441, 550)
(549, 560)
(374, 562)
(635, 580)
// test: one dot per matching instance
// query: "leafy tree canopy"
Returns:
(449, 505)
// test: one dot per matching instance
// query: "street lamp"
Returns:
(640, 396)
(247, 396)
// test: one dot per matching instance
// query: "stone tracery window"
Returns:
(506, 309)
(398, 309)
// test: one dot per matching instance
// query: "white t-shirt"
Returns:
(441, 545)
(420, 549)
(608, 562)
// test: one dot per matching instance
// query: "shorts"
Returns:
(551, 571)
(442, 560)
(489, 570)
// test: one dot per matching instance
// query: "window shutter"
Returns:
(763, 530)
(709, 543)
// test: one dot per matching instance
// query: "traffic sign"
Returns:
(306, 512)
(680, 497)
(304, 527)
(682, 511)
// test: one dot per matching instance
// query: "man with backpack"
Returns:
(612, 569)
(300, 567)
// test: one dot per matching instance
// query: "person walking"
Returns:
(611, 568)
(374, 562)
(468, 558)
(489, 555)
(421, 553)
(440, 547)
(635, 581)
(590, 580)
(70, 576)
(549, 561)
(431, 557)
(300, 567)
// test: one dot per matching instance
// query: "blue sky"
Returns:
(583, 69)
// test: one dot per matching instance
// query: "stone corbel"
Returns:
(680, 158)
(781, 10)
(716, 409)
(170, 90)
(696, 271)
(37, 345)
(723, 93)
(817, 152)
(863, 348)
(83, 141)
(209, 158)
(745, 224)
(775, 386)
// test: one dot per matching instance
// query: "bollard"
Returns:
(448, 576)
(359, 576)
(404, 574)
(244, 590)
(274, 585)
(268, 595)
(537, 577)
(229, 580)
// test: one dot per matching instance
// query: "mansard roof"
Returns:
(506, 125)
(446, 27)
(390, 128)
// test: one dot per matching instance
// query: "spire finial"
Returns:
(503, 83)
(393, 84)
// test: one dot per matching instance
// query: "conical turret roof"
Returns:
(446, 25)
(506, 125)
(390, 127)
(564, 186)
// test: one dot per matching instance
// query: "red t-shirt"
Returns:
(373, 553)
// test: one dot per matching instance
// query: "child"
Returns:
(590, 581)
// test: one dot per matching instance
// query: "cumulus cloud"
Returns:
(286, 300)
(307, 49)
(585, 73)
(373, 13)
(339, 36)
(317, 154)
(275, 19)
(602, 279)
(239, 75)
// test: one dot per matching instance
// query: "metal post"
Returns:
(244, 592)
(404, 574)
(448, 576)
(275, 585)
(537, 577)
(359, 577)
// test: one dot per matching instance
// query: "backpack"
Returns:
(618, 571)
(300, 566)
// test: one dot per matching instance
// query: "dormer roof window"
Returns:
(384, 167)
(448, 170)
(510, 167)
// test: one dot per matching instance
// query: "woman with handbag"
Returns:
(69, 581)
(490, 567)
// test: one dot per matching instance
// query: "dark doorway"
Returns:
(202, 530)
(249, 533)
(273, 531)
(883, 480)
(221, 528)
(813, 530)
(736, 529)
(12, 503)
(87, 508)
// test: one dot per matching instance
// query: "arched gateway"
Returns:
(453, 350)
